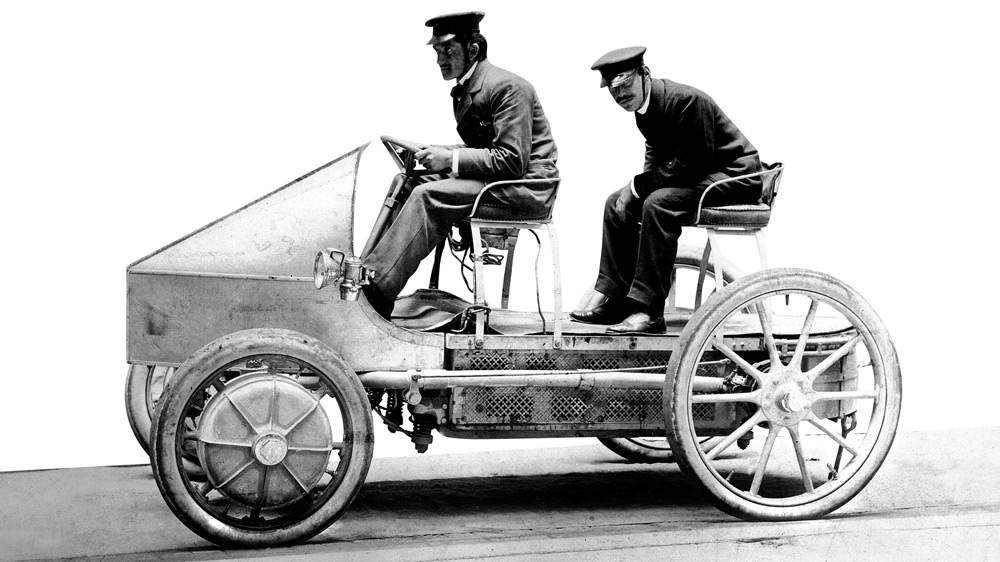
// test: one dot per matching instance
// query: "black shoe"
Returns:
(382, 304)
(639, 323)
(611, 311)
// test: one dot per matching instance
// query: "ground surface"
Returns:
(935, 499)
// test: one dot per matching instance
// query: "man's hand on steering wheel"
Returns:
(434, 158)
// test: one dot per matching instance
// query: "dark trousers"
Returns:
(639, 248)
(422, 223)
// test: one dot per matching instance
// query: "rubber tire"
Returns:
(193, 374)
(136, 405)
(639, 449)
(684, 361)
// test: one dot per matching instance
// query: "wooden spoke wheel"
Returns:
(281, 428)
(806, 377)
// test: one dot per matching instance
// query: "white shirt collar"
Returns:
(645, 104)
(472, 69)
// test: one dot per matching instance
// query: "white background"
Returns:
(126, 125)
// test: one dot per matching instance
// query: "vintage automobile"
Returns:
(253, 391)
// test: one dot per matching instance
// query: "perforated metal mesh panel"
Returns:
(551, 405)
(703, 411)
(496, 407)
(633, 404)
(503, 360)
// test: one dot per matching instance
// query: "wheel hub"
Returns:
(264, 440)
(270, 449)
(793, 401)
(785, 401)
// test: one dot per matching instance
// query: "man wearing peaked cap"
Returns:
(505, 136)
(446, 27)
(690, 143)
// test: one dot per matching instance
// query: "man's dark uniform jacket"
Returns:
(506, 135)
(690, 143)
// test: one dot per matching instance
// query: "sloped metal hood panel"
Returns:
(275, 236)
(253, 269)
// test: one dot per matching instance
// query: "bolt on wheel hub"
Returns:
(793, 401)
(784, 401)
(264, 440)
(270, 449)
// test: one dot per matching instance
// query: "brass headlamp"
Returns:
(332, 266)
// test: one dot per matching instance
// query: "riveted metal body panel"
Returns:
(253, 269)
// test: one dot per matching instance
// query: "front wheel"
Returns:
(281, 428)
(796, 365)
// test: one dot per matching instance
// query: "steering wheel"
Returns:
(402, 153)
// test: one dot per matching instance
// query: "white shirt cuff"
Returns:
(631, 186)
(454, 163)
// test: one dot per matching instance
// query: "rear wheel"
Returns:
(281, 427)
(805, 374)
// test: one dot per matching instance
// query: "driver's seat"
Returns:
(494, 217)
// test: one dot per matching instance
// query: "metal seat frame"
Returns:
(771, 179)
(477, 223)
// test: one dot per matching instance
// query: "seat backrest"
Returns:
(770, 180)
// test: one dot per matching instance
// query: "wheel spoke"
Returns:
(735, 358)
(800, 347)
(797, 444)
(244, 415)
(836, 437)
(301, 418)
(311, 449)
(190, 456)
(764, 314)
(225, 443)
(734, 436)
(294, 476)
(236, 473)
(846, 395)
(765, 455)
(205, 488)
(753, 397)
(261, 488)
(833, 358)
(273, 408)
